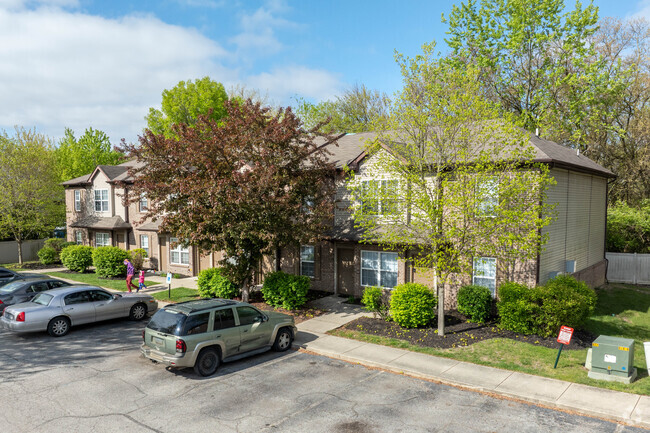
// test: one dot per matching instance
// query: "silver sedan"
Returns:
(56, 310)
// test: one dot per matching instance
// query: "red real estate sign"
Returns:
(565, 335)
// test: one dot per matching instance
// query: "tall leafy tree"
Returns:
(31, 199)
(185, 103)
(355, 111)
(76, 157)
(251, 182)
(457, 178)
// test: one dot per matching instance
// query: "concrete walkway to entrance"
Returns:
(628, 408)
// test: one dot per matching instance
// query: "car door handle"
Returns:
(245, 330)
(218, 336)
(101, 305)
(69, 309)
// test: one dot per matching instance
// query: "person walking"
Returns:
(130, 271)
(141, 281)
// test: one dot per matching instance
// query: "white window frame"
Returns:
(304, 255)
(77, 200)
(180, 251)
(488, 197)
(102, 201)
(142, 244)
(478, 276)
(379, 203)
(108, 239)
(143, 204)
(78, 237)
(379, 269)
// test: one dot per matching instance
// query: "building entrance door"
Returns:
(345, 270)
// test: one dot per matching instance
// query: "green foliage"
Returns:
(57, 243)
(412, 305)
(185, 103)
(475, 302)
(75, 158)
(285, 290)
(628, 228)
(543, 310)
(47, 255)
(213, 284)
(137, 257)
(77, 257)
(109, 261)
(374, 301)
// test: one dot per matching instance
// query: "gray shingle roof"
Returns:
(106, 223)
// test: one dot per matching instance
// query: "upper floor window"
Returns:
(487, 192)
(485, 273)
(307, 261)
(77, 200)
(144, 203)
(102, 240)
(378, 269)
(179, 255)
(379, 197)
(101, 200)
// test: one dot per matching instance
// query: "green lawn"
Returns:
(622, 311)
(179, 294)
(18, 266)
(92, 279)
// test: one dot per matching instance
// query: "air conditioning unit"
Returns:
(553, 274)
(570, 266)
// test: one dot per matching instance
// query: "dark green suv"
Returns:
(204, 333)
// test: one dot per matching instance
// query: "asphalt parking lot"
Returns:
(94, 380)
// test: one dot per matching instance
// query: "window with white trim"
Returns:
(77, 200)
(380, 197)
(307, 261)
(144, 203)
(102, 239)
(487, 197)
(378, 269)
(485, 273)
(144, 243)
(78, 237)
(178, 255)
(101, 200)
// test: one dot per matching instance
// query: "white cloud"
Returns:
(286, 82)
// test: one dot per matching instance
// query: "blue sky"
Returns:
(81, 63)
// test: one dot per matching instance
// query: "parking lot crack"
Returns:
(130, 418)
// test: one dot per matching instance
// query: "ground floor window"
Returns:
(102, 239)
(144, 243)
(178, 255)
(307, 261)
(485, 273)
(78, 237)
(378, 269)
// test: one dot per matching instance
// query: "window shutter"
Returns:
(317, 261)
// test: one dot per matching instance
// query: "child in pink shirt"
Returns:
(141, 282)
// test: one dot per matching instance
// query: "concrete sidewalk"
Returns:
(628, 408)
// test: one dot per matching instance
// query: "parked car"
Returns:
(7, 275)
(23, 290)
(55, 311)
(204, 333)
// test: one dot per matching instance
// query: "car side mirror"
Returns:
(116, 296)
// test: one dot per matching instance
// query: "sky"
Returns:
(102, 64)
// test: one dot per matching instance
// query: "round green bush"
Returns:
(373, 300)
(47, 255)
(57, 243)
(475, 302)
(137, 257)
(109, 261)
(412, 305)
(77, 257)
(285, 290)
(213, 284)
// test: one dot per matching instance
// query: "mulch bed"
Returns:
(459, 333)
(300, 315)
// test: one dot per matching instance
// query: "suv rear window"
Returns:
(168, 322)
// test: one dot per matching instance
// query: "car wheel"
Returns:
(283, 340)
(207, 362)
(138, 311)
(58, 327)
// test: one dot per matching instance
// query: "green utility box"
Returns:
(612, 358)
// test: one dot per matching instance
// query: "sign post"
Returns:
(564, 338)
(169, 285)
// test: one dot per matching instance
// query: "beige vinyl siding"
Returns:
(342, 205)
(578, 232)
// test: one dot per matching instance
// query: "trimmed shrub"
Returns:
(57, 243)
(213, 284)
(47, 255)
(137, 257)
(285, 290)
(412, 305)
(374, 301)
(77, 257)
(109, 261)
(475, 302)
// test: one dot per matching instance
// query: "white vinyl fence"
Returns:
(628, 268)
(9, 250)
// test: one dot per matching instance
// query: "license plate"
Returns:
(158, 341)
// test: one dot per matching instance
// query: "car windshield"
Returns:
(11, 287)
(42, 299)
(167, 321)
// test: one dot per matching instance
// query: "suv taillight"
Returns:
(20, 317)
(143, 335)
(181, 346)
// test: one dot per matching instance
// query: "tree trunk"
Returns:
(20, 251)
(440, 290)
(244, 291)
